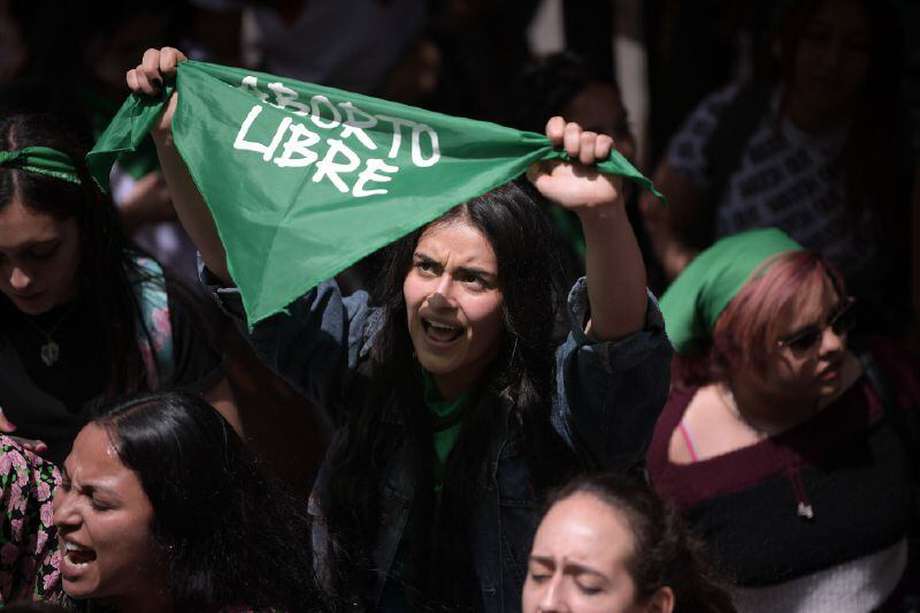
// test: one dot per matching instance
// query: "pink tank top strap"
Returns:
(689, 442)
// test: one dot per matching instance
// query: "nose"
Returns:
(19, 279)
(442, 295)
(832, 342)
(552, 600)
(65, 513)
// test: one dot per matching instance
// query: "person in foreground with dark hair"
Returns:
(457, 407)
(607, 544)
(791, 452)
(85, 317)
(163, 508)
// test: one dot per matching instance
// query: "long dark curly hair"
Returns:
(518, 386)
(230, 534)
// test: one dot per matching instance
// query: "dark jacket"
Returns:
(608, 397)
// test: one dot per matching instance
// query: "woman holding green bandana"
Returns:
(84, 317)
(791, 453)
(456, 405)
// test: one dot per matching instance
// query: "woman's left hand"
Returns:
(576, 186)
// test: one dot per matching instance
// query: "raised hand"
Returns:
(576, 186)
(149, 75)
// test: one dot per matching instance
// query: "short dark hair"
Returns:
(664, 553)
(232, 535)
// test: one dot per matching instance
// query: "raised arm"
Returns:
(191, 209)
(615, 271)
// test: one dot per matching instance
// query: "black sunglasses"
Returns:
(840, 322)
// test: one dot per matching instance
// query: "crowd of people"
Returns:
(563, 394)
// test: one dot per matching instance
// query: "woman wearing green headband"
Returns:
(84, 317)
(788, 451)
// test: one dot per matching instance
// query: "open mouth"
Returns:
(77, 555)
(441, 332)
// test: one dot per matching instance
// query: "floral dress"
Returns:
(29, 556)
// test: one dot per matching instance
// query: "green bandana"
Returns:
(693, 303)
(42, 160)
(303, 180)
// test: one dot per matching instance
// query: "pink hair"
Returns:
(747, 330)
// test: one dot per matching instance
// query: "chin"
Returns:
(32, 307)
(78, 589)
(435, 364)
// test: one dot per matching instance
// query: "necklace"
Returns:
(50, 350)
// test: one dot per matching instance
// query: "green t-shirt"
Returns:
(446, 422)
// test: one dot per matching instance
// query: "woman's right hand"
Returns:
(148, 79)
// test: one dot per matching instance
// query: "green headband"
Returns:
(693, 303)
(43, 161)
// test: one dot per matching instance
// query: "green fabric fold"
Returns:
(697, 297)
(304, 180)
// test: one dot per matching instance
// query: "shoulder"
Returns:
(704, 431)
(20, 465)
(681, 447)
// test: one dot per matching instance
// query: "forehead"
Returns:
(20, 224)
(583, 529)
(94, 457)
(812, 306)
(458, 243)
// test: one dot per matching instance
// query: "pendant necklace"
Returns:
(50, 350)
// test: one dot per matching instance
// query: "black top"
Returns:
(53, 403)
(832, 489)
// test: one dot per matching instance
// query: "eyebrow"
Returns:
(91, 486)
(32, 244)
(569, 567)
(815, 326)
(467, 269)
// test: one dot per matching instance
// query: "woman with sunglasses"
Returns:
(788, 451)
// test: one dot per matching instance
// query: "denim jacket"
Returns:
(608, 398)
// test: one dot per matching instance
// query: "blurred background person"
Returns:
(815, 151)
